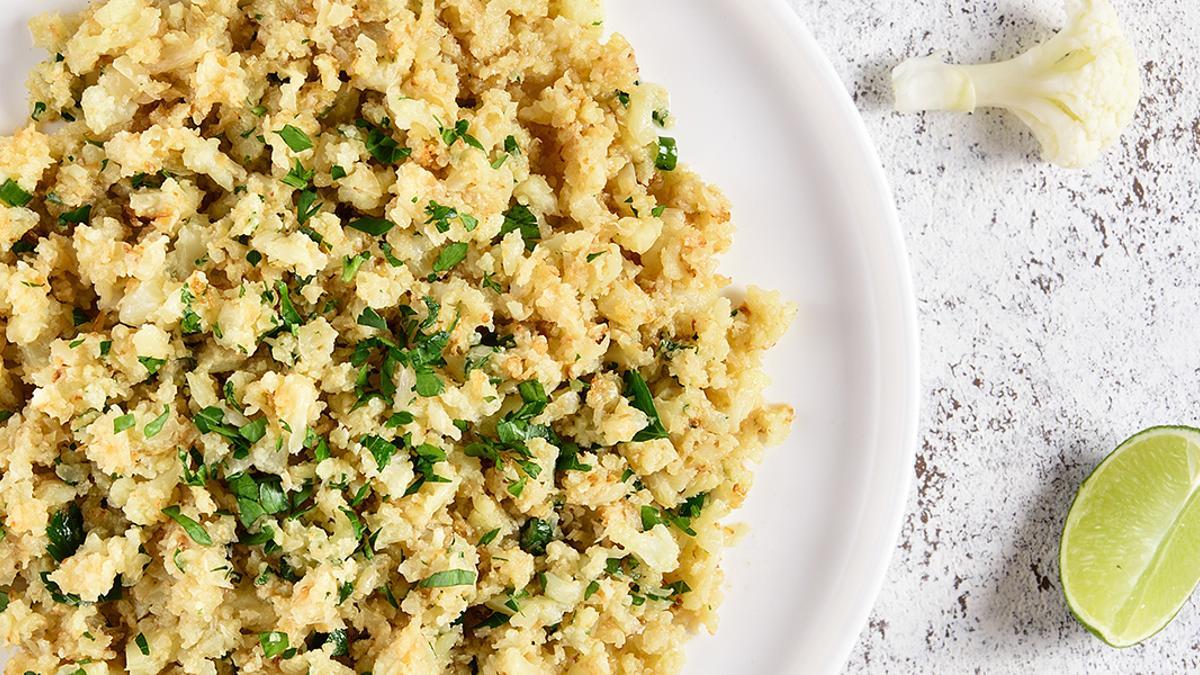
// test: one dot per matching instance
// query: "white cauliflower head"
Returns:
(1077, 91)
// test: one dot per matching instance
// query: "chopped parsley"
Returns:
(295, 138)
(668, 154)
(592, 587)
(460, 131)
(623, 97)
(39, 109)
(189, 324)
(337, 172)
(123, 423)
(299, 177)
(535, 535)
(274, 644)
(450, 255)
(151, 364)
(79, 215)
(142, 645)
(351, 264)
(13, 195)
(373, 226)
(448, 578)
(382, 450)
(521, 219)
(194, 529)
(307, 206)
(65, 533)
(593, 256)
(371, 319)
(380, 145)
(440, 217)
(639, 395)
(660, 117)
(489, 537)
(155, 426)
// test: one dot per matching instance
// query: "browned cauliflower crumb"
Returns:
(363, 335)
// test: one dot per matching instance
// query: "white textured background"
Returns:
(1060, 313)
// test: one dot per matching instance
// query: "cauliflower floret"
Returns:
(1077, 91)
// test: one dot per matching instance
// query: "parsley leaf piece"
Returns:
(273, 643)
(142, 645)
(195, 530)
(291, 317)
(593, 256)
(298, 177)
(155, 426)
(254, 430)
(373, 226)
(13, 195)
(521, 219)
(295, 138)
(623, 97)
(151, 364)
(658, 210)
(381, 146)
(399, 419)
(639, 394)
(371, 319)
(668, 154)
(428, 383)
(592, 587)
(65, 533)
(448, 578)
(337, 172)
(382, 450)
(489, 537)
(450, 256)
(351, 264)
(123, 423)
(79, 215)
(307, 206)
(510, 145)
(535, 534)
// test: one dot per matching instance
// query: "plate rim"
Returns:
(897, 424)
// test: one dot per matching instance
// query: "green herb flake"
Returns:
(76, 217)
(142, 645)
(639, 394)
(371, 319)
(450, 256)
(447, 578)
(39, 109)
(105, 347)
(13, 195)
(489, 537)
(658, 210)
(155, 426)
(151, 364)
(65, 533)
(593, 256)
(592, 587)
(373, 226)
(295, 138)
(668, 154)
(535, 535)
(337, 172)
(382, 450)
(123, 423)
(273, 643)
(307, 206)
(298, 177)
(194, 529)
(521, 219)
(381, 146)
(351, 265)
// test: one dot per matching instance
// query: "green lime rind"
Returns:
(1128, 546)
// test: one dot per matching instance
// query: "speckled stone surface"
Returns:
(1060, 313)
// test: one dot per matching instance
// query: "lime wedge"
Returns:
(1130, 551)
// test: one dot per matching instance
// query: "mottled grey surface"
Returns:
(1060, 313)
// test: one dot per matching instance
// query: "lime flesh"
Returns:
(1130, 551)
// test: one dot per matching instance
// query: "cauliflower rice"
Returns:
(363, 335)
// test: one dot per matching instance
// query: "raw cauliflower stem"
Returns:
(1077, 91)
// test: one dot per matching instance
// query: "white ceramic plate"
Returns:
(760, 112)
